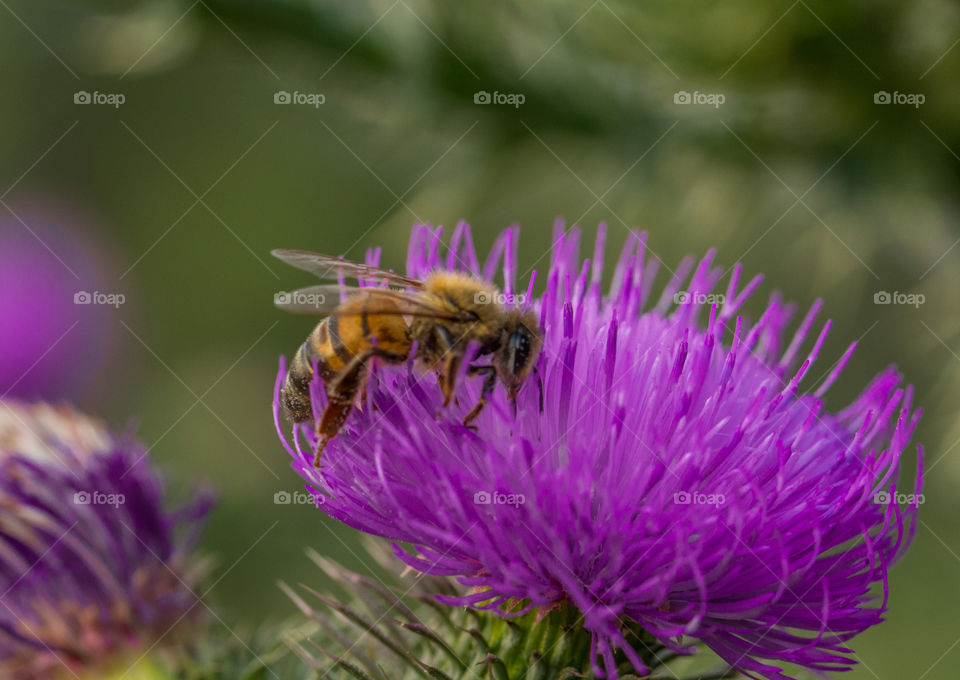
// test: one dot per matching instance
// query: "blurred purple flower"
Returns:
(49, 346)
(93, 568)
(677, 477)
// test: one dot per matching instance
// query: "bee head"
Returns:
(518, 353)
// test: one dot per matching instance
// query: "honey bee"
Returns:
(443, 314)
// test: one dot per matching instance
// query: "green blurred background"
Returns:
(184, 188)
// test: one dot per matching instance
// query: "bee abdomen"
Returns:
(295, 396)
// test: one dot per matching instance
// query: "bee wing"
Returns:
(326, 300)
(330, 267)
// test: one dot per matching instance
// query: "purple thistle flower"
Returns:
(93, 569)
(678, 477)
(43, 267)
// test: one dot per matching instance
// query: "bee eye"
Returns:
(518, 349)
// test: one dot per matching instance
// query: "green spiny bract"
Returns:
(403, 633)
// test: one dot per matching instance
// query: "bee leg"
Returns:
(341, 396)
(448, 376)
(334, 416)
(387, 358)
(489, 382)
(449, 360)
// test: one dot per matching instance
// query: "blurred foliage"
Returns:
(186, 187)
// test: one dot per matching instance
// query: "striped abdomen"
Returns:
(344, 341)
